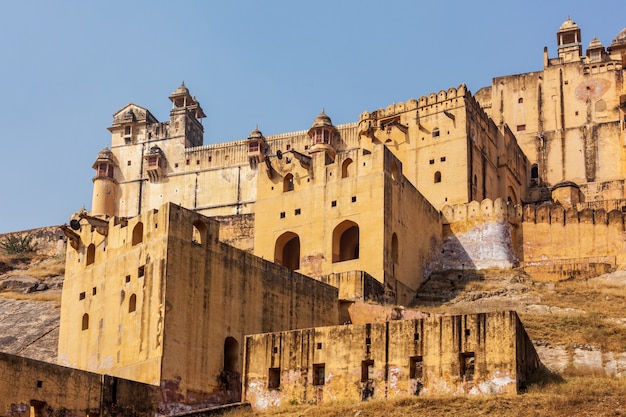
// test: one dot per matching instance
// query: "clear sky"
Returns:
(67, 66)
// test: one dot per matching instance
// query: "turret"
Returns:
(569, 41)
(323, 135)
(595, 51)
(186, 117)
(257, 147)
(104, 201)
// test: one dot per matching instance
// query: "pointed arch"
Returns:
(132, 303)
(345, 168)
(346, 241)
(137, 234)
(288, 183)
(287, 251)
(91, 254)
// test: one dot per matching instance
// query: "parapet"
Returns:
(557, 214)
(487, 210)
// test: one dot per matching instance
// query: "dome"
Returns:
(569, 24)
(255, 134)
(595, 43)
(620, 39)
(181, 90)
(322, 120)
(105, 154)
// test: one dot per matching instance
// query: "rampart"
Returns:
(560, 243)
(480, 235)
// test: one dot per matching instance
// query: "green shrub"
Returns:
(16, 245)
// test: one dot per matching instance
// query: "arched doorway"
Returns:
(346, 241)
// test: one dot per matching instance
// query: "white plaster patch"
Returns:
(495, 385)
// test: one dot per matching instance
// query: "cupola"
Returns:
(595, 50)
(569, 41)
(256, 146)
(105, 165)
(323, 135)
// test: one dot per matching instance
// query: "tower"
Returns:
(185, 117)
(323, 134)
(104, 201)
(569, 41)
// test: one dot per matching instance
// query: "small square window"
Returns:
(93, 291)
(197, 162)
(141, 271)
(467, 332)
(436, 133)
(176, 165)
(282, 214)
(128, 163)
(297, 212)
(354, 199)
(39, 384)
(333, 203)
(187, 162)
(319, 345)
(432, 161)
(127, 278)
(521, 128)
(288, 146)
(81, 296)
(442, 159)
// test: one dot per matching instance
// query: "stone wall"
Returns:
(29, 388)
(559, 242)
(480, 235)
(474, 354)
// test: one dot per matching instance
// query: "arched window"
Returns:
(394, 248)
(345, 168)
(85, 324)
(395, 171)
(138, 234)
(346, 241)
(287, 251)
(437, 176)
(199, 232)
(520, 100)
(231, 355)
(288, 183)
(132, 303)
(91, 254)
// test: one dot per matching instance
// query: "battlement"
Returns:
(413, 104)
(484, 211)
(557, 215)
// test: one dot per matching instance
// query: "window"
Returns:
(435, 133)
(273, 380)
(318, 374)
(288, 183)
(94, 291)
(333, 203)
(437, 177)
(520, 100)
(282, 214)
(141, 271)
(85, 324)
(415, 367)
(442, 159)
(127, 278)
(521, 128)
(432, 161)
(297, 212)
(137, 234)
(345, 168)
(81, 296)
(354, 199)
(132, 303)
(199, 232)
(231, 354)
(91, 254)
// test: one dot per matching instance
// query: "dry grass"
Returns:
(50, 295)
(51, 267)
(576, 396)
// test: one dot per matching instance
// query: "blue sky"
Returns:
(67, 66)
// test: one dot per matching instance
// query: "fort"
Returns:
(211, 274)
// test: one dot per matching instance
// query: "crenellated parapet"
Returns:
(487, 210)
(554, 214)
(423, 103)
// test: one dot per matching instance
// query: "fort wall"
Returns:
(477, 353)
